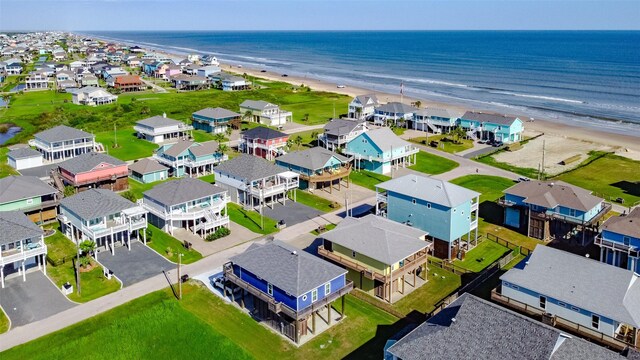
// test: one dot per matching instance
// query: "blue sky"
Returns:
(318, 14)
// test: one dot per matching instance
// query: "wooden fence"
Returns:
(59, 261)
(448, 267)
(508, 244)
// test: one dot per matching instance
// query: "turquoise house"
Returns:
(214, 120)
(487, 126)
(379, 150)
(189, 158)
(318, 167)
(619, 241)
(148, 171)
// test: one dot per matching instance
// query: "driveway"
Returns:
(293, 213)
(32, 300)
(239, 235)
(136, 265)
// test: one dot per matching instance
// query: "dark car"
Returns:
(497, 143)
(433, 144)
(284, 75)
(263, 70)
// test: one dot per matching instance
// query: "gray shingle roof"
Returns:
(339, 127)
(248, 168)
(489, 118)
(16, 226)
(396, 108)
(95, 203)
(158, 121)
(550, 194)
(385, 139)
(286, 267)
(262, 132)
(147, 166)
(626, 225)
(216, 113)
(62, 133)
(314, 158)
(443, 113)
(257, 104)
(13, 188)
(588, 284)
(482, 330)
(23, 153)
(363, 99)
(181, 191)
(88, 161)
(429, 189)
(378, 238)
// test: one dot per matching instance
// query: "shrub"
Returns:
(220, 233)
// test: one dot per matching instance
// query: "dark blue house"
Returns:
(619, 241)
(288, 286)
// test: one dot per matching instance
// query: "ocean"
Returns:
(583, 78)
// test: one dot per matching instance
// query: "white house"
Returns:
(21, 245)
(362, 107)
(338, 132)
(159, 129)
(265, 113)
(63, 142)
(24, 158)
(93, 96)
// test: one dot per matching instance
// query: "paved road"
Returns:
(156, 88)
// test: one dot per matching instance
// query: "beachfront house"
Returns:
(619, 241)
(289, 287)
(228, 82)
(24, 158)
(596, 300)
(383, 258)
(159, 129)
(263, 142)
(188, 204)
(186, 82)
(493, 127)
(21, 246)
(380, 150)
(549, 210)
(30, 195)
(206, 71)
(338, 132)
(264, 113)
(446, 212)
(91, 95)
(190, 158)
(362, 107)
(215, 120)
(435, 120)
(36, 80)
(393, 113)
(63, 142)
(126, 83)
(255, 182)
(102, 217)
(318, 168)
(92, 170)
(148, 171)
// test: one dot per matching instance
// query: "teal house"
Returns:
(189, 158)
(379, 150)
(488, 126)
(148, 171)
(214, 120)
(318, 167)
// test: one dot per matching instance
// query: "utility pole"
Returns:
(334, 109)
(77, 264)
(179, 282)
(542, 170)
(115, 136)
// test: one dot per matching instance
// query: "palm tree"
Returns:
(457, 134)
(222, 149)
(314, 136)
(298, 141)
(219, 137)
(247, 115)
(228, 131)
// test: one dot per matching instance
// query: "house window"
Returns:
(626, 240)
(413, 201)
(353, 254)
(314, 295)
(543, 302)
(561, 304)
(572, 212)
(270, 289)
(327, 288)
(595, 321)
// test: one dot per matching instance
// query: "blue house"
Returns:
(594, 299)
(187, 157)
(289, 287)
(487, 126)
(318, 167)
(447, 212)
(148, 171)
(553, 210)
(215, 120)
(619, 241)
(379, 150)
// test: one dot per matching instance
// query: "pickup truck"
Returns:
(224, 286)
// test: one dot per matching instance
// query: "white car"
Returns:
(341, 86)
(219, 283)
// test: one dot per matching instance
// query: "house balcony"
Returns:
(274, 189)
(112, 177)
(211, 222)
(193, 213)
(505, 203)
(60, 147)
(29, 250)
(42, 205)
(474, 224)
(616, 246)
(153, 132)
(551, 215)
(328, 175)
(474, 206)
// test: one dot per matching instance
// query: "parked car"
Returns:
(497, 143)
(523, 178)
(284, 75)
(223, 285)
(341, 86)
(433, 144)
(263, 70)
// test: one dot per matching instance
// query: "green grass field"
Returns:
(367, 179)
(307, 139)
(58, 246)
(314, 201)
(160, 241)
(482, 256)
(251, 219)
(129, 146)
(5, 169)
(4, 322)
(444, 143)
(441, 283)
(433, 164)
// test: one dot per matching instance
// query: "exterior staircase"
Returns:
(433, 128)
(472, 134)
(55, 176)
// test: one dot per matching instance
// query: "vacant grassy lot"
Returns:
(482, 256)
(59, 247)
(251, 219)
(444, 143)
(308, 139)
(129, 146)
(367, 179)
(433, 164)
(441, 283)
(160, 241)
(315, 201)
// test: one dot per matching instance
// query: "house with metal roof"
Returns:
(489, 126)
(447, 212)
(255, 182)
(148, 171)
(93, 170)
(318, 168)
(619, 241)
(435, 120)
(189, 158)
(21, 245)
(63, 142)
(380, 150)
(24, 158)
(289, 288)
(30, 195)
(473, 328)
(215, 120)
(338, 132)
(103, 217)
(384, 258)
(362, 107)
(263, 142)
(596, 300)
(549, 210)
(265, 113)
(191, 204)
(394, 112)
(159, 129)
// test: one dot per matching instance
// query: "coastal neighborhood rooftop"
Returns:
(14, 188)
(429, 189)
(62, 133)
(551, 194)
(182, 191)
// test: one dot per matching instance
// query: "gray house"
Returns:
(338, 132)
(21, 245)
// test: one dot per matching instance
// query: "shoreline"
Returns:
(623, 143)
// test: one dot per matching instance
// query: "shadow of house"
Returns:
(491, 212)
(628, 187)
(313, 247)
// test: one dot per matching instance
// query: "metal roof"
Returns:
(158, 121)
(262, 132)
(23, 153)
(429, 189)
(385, 139)
(216, 113)
(489, 118)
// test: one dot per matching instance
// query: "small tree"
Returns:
(457, 134)
(222, 148)
(228, 131)
(129, 195)
(306, 117)
(69, 190)
(219, 137)
(247, 115)
(87, 247)
(298, 141)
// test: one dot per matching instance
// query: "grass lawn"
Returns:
(59, 247)
(314, 201)
(5, 169)
(203, 326)
(610, 177)
(367, 179)
(160, 241)
(4, 322)
(202, 136)
(490, 187)
(482, 256)
(308, 140)
(444, 143)
(433, 164)
(428, 295)
(251, 219)
(211, 178)
(326, 227)
(398, 130)
(129, 146)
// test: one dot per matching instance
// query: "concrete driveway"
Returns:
(32, 300)
(293, 213)
(136, 265)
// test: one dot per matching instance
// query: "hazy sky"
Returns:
(317, 14)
